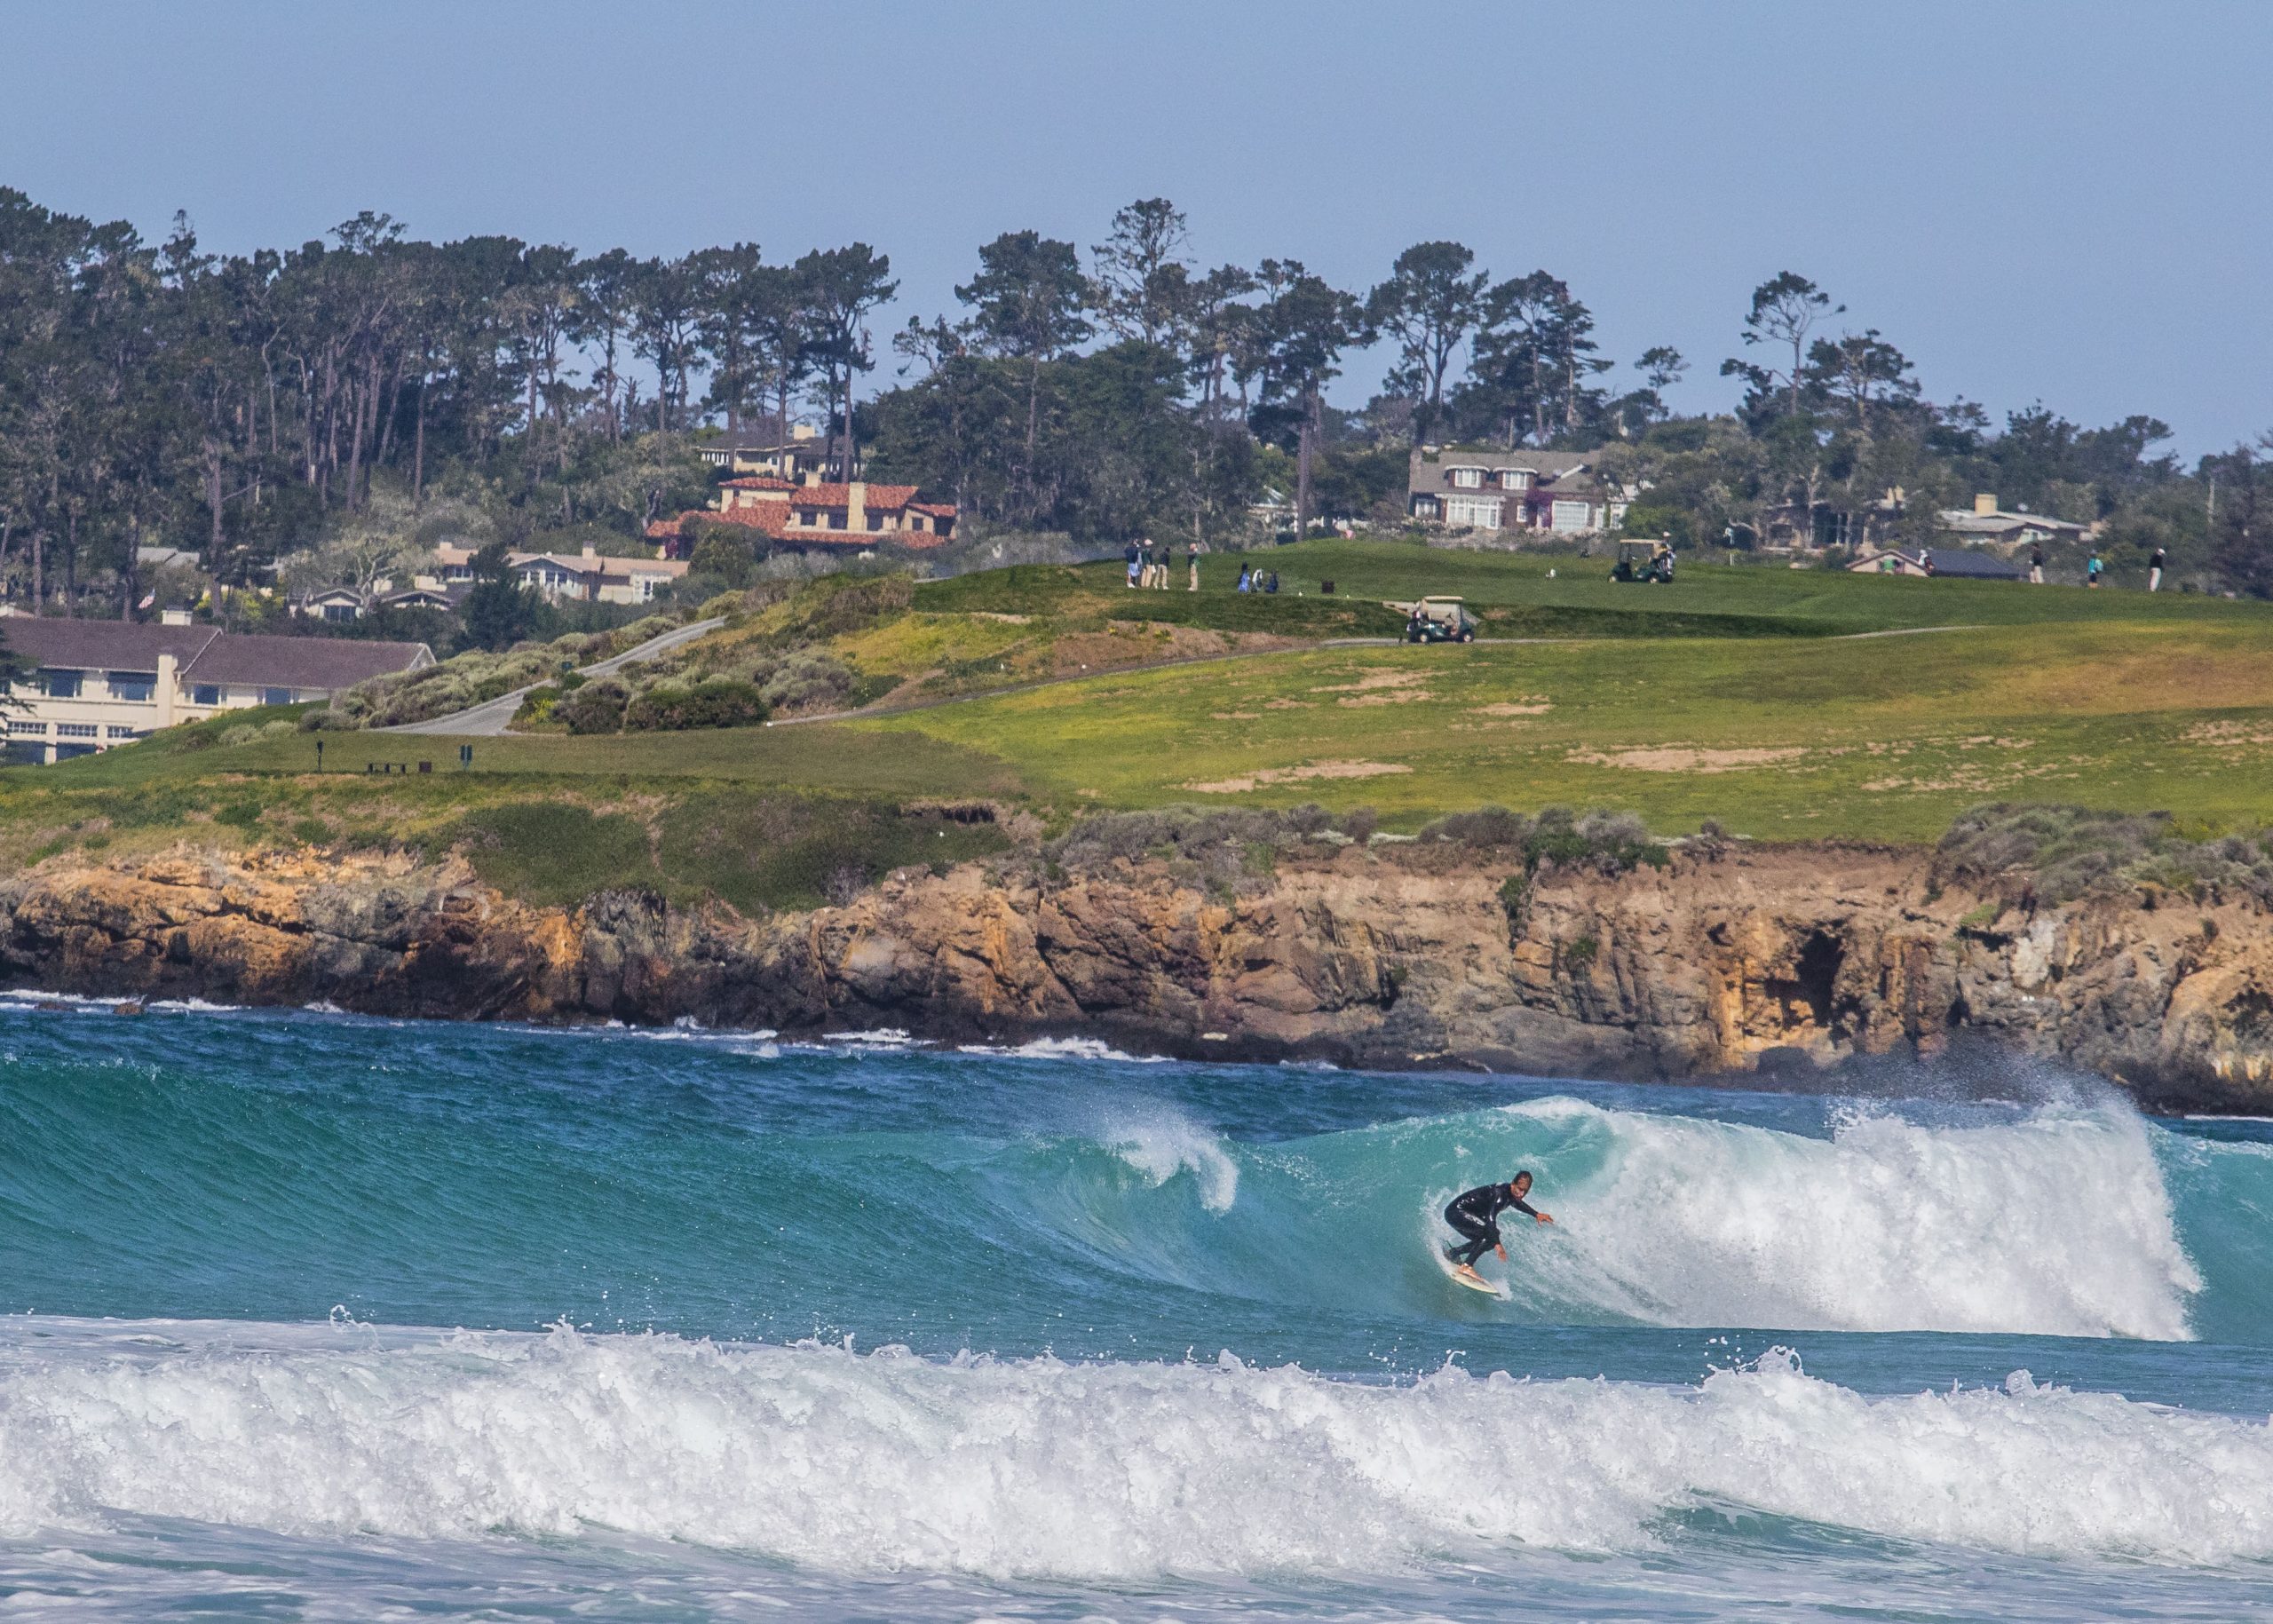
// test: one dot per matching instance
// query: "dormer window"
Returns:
(1468, 479)
(1515, 479)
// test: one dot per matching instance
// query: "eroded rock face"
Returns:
(1720, 962)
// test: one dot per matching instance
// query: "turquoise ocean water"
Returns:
(304, 1316)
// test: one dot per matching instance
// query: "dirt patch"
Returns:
(1373, 681)
(1287, 704)
(1303, 775)
(2228, 736)
(1685, 760)
(1510, 708)
(1402, 696)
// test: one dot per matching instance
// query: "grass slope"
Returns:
(1723, 696)
(1881, 738)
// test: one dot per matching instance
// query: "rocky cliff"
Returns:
(1725, 960)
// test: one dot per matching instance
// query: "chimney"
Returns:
(1985, 502)
(173, 617)
(592, 552)
(856, 518)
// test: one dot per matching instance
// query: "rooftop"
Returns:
(206, 654)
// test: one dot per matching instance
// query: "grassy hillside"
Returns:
(1791, 726)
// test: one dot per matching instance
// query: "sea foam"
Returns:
(2056, 1224)
(884, 1462)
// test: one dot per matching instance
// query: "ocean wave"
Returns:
(1062, 1049)
(1161, 1143)
(2056, 1224)
(881, 1462)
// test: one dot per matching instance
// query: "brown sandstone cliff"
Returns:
(1717, 964)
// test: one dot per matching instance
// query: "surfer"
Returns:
(1476, 1214)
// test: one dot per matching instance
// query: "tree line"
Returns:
(250, 407)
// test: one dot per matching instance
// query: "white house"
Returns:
(103, 683)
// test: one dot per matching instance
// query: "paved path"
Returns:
(489, 718)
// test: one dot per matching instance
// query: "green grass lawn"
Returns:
(1881, 739)
(1516, 595)
(2108, 698)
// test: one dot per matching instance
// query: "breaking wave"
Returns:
(877, 1463)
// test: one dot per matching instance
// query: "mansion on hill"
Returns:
(820, 517)
(1464, 488)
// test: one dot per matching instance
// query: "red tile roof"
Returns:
(757, 483)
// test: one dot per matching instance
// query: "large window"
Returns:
(1481, 511)
(205, 694)
(77, 729)
(1515, 479)
(61, 685)
(277, 696)
(1468, 479)
(116, 732)
(137, 686)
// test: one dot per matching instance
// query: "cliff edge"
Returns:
(1727, 959)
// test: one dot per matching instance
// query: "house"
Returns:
(854, 515)
(1552, 491)
(802, 457)
(337, 603)
(589, 576)
(1941, 563)
(1996, 526)
(105, 683)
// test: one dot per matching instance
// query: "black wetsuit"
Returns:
(1476, 1215)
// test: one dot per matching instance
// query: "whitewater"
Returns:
(307, 1315)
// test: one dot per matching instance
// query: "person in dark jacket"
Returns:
(1476, 1215)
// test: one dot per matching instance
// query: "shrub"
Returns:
(1360, 823)
(243, 732)
(596, 707)
(325, 718)
(806, 680)
(1487, 827)
(2040, 854)
(1181, 831)
(714, 701)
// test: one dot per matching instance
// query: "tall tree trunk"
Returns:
(1303, 441)
(213, 505)
(418, 450)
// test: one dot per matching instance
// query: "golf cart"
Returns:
(1644, 561)
(1436, 620)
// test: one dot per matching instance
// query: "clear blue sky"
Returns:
(2059, 201)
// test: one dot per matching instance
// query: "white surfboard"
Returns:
(1474, 1282)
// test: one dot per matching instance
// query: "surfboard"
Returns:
(1474, 1282)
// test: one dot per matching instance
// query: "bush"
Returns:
(1487, 827)
(806, 680)
(243, 732)
(2029, 855)
(1361, 824)
(714, 701)
(596, 707)
(325, 718)
(1181, 831)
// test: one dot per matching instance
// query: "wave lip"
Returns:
(886, 1463)
(2056, 1225)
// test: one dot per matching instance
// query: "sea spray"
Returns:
(2057, 1224)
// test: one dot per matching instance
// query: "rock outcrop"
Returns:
(1723, 962)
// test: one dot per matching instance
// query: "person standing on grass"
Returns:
(1133, 565)
(2036, 564)
(2092, 570)
(1192, 557)
(2155, 571)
